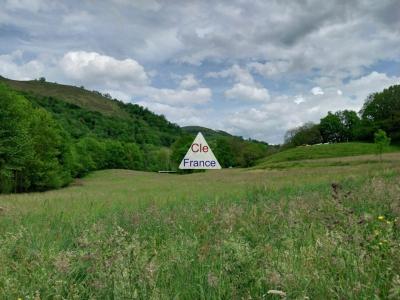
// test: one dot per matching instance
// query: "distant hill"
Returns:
(87, 115)
(207, 132)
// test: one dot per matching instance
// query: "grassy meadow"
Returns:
(326, 229)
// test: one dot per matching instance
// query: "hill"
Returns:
(59, 132)
(207, 132)
(90, 100)
(314, 152)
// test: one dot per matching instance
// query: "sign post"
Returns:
(199, 156)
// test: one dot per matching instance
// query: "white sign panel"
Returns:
(199, 156)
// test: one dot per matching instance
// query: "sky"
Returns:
(252, 68)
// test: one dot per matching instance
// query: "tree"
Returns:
(381, 141)
(15, 142)
(307, 134)
(382, 110)
(33, 148)
(224, 153)
(340, 126)
(179, 150)
(350, 122)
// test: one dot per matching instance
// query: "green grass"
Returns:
(71, 94)
(229, 234)
(323, 151)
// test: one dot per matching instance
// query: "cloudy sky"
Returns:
(252, 68)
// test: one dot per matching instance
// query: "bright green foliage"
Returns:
(15, 143)
(48, 166)
(381, 141)
(34, 154)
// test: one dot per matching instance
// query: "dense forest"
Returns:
(381, 111)
(47, 139)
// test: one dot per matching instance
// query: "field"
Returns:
(301, 153)
(326, 229)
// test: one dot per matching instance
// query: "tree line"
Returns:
(46, 142)
(381, 111)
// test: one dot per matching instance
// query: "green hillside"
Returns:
(91, 100)
(51, 133)
(321, 151)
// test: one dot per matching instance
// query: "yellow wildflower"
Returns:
(381, 218)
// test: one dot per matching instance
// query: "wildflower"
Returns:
(380, 243)
(381, 218)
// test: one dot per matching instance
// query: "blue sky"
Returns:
(252, 68)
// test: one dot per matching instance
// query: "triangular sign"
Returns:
(199, 156)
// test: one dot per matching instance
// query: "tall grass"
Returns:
(319, 233)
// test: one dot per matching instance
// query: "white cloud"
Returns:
(29, 5)
(288, 43)
(317, 91)
(189, 82)
(270, 69)
(245, 92)
(237, 73)
(245, 88)
(299, 99)
(269, 121)
(360, 88)
(13, 66)
(94, 68)
(151, 5)
(183, 115)
(179, 97)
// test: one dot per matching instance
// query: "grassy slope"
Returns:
(320, 151)
(224, 234)
(70, 94)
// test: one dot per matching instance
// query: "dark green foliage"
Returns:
(382, 111)
(224, 152)
(230, 151)
(308, 134)
(139, 126)
(179, 149)
(341, 126)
